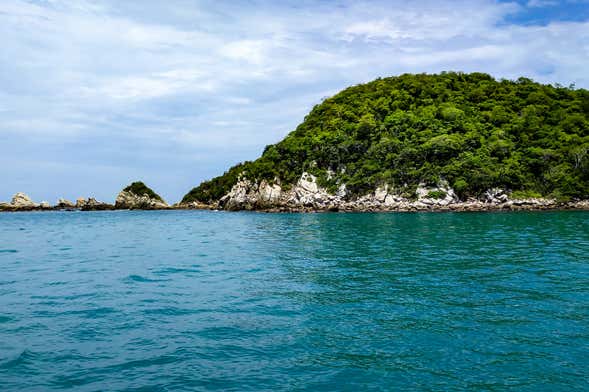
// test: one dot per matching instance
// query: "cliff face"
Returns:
(421, 140)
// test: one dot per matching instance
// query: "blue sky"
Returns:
(96, 94)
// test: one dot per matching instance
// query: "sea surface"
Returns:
(199, 300)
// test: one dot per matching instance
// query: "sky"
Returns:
(97, 94)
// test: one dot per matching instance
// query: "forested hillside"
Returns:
(468, 129)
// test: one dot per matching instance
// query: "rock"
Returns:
(269, 194)
(380, 194)
(307, 196)
(80, 202)
(308, 183)
(495, 195)
(21, 200)
(94, 205)
(440, 195)
(138, 196)
(193, 205)
(63, 203)
(44, 205)
(128, 200)
(342, 191)
(243, 196)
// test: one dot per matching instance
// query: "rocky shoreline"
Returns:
(306, 196)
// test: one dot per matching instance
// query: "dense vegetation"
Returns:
(469, 129)
(138, 188)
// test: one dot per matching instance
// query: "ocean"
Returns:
(203, 300)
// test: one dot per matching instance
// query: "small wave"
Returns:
(141, 279)
(147, 362)
(23, 358)
(5, 319)
(8, 251)
(174, 270)
(172, 311)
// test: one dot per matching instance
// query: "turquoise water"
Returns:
(190, 300)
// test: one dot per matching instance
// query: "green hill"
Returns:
(469, 129)
(139, 188)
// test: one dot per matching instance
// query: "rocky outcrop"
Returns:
(440, 195)
(139, 196)
(80, 202)
(63, 203)
(91, 204)
(22, 201)
(496, 195)
(130, 201)
(307, 195)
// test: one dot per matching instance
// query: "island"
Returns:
(449, 141)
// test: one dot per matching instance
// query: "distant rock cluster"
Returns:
(125, 200)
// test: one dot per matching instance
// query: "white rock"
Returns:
(380, 194)
(269, 193)
(80, 202)
(341, 191)
(65, 203)
(308, 182)
(21, 200)
(130, 200)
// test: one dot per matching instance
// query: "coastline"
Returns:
(469, 206)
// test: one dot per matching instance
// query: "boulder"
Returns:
(243, 195)
(63, 203)
(21, 200)
(440, 195)
(269, 194)
(308, 183)
(80, 202)
(496, 196)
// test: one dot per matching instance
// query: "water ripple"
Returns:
(188, 300)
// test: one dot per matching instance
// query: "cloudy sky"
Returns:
(96, 94)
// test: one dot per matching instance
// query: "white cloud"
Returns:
(542, 3)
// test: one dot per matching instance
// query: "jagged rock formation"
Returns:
(139, 196)
(64, 203)
(21, 200)
(91, 204)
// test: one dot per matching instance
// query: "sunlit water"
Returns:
(183, 300)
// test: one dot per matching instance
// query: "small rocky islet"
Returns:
(445, 142)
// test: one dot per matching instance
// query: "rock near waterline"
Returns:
(21, 200)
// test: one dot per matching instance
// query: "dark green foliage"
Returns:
(138, 188)
(469, 129)
(436, 195)
(214, 189)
